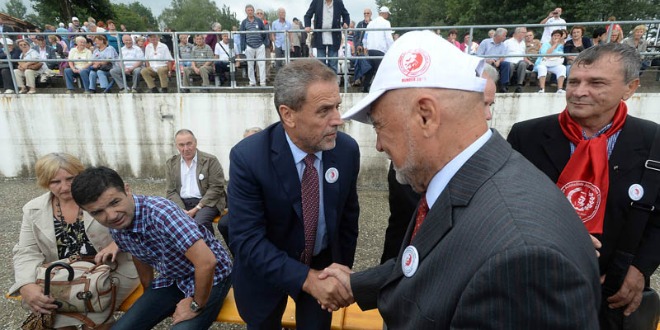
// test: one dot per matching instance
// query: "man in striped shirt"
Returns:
(254, 45)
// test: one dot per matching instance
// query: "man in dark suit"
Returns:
(618, 145)
(294, 206)
(196, 181)
(494, 244)
(327, 43)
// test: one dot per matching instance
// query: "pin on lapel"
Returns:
(331, 175)
(201, 176)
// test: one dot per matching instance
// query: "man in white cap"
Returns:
(376, 43)
(494, 244)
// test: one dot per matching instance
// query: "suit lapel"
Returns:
(330, 191)
(285, 169)
(177, 173)
(44, 222)
(628, 149)
(458, 193)
(201, 162)
(556, 146)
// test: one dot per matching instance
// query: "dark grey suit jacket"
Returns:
(501, 248)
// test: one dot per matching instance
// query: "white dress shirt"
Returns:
(513, 47)
(159, 56)
(189, 188)
(378, 40)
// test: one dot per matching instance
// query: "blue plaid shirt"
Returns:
(160, 235)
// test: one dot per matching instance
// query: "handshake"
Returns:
(331, 287)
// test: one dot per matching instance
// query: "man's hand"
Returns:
(630, 293)
(191, 213)
(341, 273)
(183, 311)
(329, 292)
(108, 254)
(597, 244)
(307, 29)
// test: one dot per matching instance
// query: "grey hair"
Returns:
(184, 131)
(292, 80)
(491, 72)
(252, 130)
(631, 61)
(249, 6)
(500, 31)
(215, 25)
(520, 29)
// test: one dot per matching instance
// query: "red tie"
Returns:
(422, 210)
(310, 206)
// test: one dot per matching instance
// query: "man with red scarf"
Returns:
(596, 153)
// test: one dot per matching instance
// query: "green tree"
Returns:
(52, 11)
(196, 15)
(135, 16)
(16, 8)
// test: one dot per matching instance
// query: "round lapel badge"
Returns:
(636, 192)
(331, 175)
(409, 261)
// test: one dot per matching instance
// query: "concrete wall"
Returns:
(134, 133)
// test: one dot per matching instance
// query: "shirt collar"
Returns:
(194, 160)
(601, 131)
(442, 178)
(298, 154)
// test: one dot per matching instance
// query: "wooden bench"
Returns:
(349, 318)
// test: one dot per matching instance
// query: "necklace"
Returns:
(76, 228)
(59, 214)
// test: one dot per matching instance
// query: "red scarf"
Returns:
(585, 179)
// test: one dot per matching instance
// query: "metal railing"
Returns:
(347, 58)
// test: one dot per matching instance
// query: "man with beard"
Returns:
(294, 206)
(492, 235)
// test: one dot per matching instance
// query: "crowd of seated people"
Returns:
(78, 57)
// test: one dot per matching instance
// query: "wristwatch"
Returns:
(198, 207)
(194, 307)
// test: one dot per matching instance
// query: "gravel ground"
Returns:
(17, 192)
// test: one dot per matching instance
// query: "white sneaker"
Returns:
(561, 91)
(43, 78)
(542, 91)
(9, 91)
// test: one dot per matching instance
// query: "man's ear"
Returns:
(632, 87)
(127, 188)
(427, 109)
(287, 116)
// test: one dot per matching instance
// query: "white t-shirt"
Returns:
(222, 54)
(547, 31)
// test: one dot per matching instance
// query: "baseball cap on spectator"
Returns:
(421, 59)
(384, 9)
(74, 19)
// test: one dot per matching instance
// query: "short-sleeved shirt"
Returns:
(222, 50)
(33, 56)
(489, 47)
(160, 235)
(204, 52)
(159, 56)
(133, 53)
(253, 40)
(75, 54)
(107, 53)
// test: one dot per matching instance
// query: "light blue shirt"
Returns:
(442, 178)
(298, 157)
(489, 47)
(279, 36)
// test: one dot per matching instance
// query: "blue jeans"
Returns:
(329, 51)
(84, 76)
(102, 76)
(157, 304)
(68, 77)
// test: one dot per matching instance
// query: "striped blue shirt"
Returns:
(160, 235)
(611, 141)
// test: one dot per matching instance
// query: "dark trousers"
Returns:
(369, 76)
(309, 315)
(157, 304)
(204, 216)
(7, 83)
(221, 67)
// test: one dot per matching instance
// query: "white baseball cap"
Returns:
(9, 41)
(421, 59)
(74, 19)
(384, 9)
